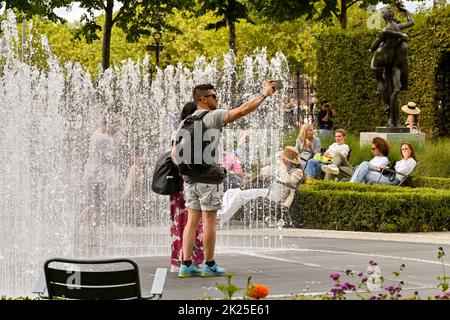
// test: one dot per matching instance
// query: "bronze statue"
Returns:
(389, 61)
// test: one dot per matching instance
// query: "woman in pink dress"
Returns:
(179, 216)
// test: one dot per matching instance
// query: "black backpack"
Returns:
(194, 168)
(166, 177)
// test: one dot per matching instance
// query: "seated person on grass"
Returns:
(307, 144)
(364, 173)
(338, 150)
(341, 169)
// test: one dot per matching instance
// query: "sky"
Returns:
(75, 12)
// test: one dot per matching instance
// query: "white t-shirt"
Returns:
(405, 167)
(101, 154)
(343, 149)
(379, 161)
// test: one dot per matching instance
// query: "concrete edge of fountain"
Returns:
(442, 237)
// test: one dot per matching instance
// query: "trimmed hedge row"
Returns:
(430, 182)
(417, 184)
(358, 207)
(344, 76)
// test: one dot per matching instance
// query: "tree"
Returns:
(43, 8)
(299, 47)
(282, 10)
(339, 9)
(229, 12)
(135, 17)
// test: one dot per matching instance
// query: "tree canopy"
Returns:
(296, 38)
(228, 12)
(325, 10)
(43, 8)
(135, 17)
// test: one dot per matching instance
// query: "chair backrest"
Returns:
(406, 178)
(71, 283)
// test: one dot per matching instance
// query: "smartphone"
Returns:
(279, 85)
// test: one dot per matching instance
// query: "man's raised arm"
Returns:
(250, 105)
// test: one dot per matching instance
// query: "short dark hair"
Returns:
(201, 90)
(188, 109)
(323, 102)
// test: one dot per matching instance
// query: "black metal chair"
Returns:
(392, 173)
(72, 283)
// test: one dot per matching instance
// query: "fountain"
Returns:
(47, 115)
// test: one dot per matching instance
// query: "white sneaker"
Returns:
(330, 168)
(174, 268)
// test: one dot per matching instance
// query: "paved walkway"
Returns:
(417, 237)
(295, 260)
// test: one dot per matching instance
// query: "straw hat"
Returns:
(291, 154)
(411, 108)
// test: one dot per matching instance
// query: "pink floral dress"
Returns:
(179, 217)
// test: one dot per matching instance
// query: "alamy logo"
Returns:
(199, 147)
(74, 280)
(211, 147)
(374, 278)
(374, 20)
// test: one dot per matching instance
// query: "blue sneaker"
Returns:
(214, 271)
(191, 271)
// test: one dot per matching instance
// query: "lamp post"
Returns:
(157, 47)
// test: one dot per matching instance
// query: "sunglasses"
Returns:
(213, 95)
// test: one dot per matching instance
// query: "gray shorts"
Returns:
(203, 196)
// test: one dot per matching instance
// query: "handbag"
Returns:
(390, 172)
(166, 178)
(320, 157)
(305, 155)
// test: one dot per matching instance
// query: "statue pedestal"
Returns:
(392, 130)
(365, 138)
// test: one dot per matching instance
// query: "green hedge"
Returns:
(358, 207)
(345, 78)
(417, 184)
(430, 182)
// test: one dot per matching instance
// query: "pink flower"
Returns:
(335, 276)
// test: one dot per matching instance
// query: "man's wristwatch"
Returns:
(263, 96)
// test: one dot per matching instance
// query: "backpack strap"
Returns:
(200, 117)
(202, 114)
